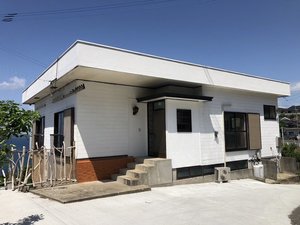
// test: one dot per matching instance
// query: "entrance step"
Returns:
(130, 181)
(146, 171)
(142, 176)
(144, 167)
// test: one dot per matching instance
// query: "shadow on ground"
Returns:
(295, 216)
(27, 220)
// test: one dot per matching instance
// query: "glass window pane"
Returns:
(240, 122)
(270, 112)
(235, 131)
(230, 140)
(184, 120)
(241, 140)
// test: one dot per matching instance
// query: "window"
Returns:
(184, 120)
(58, 136)
(39, 132)
(242, 131)
(63, 128)
(235, 131)
(270, 112)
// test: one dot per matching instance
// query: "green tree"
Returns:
(14, 121)
(291, 150)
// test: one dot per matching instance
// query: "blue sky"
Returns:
(259, 37)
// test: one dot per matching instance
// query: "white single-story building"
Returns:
(117, 104)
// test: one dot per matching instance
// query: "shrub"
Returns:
(291, 150)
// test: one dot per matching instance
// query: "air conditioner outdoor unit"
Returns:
(222, 174)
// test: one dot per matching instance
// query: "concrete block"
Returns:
(161, 173)
(288, 164)
(174, 174)
(270, 169)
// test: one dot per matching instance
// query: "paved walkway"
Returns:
(243, 202)
(87, 191)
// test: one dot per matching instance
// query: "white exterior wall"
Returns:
(192, 149)
(47, 109)
(184, 147)
(105, 126)
(105, 123)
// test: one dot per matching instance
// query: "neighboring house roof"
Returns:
(294, 108)
(285, 119)
(90, 61)
(292, 128)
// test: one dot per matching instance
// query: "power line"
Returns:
(83, 10)
(14, 15)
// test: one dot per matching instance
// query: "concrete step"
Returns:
(135, 173)
(130, 181)
(141, 175)
(153, 161)
(144, 167)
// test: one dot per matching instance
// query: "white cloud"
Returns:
(295, 86)
(12, 84)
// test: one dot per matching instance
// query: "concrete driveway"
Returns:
(238, 202)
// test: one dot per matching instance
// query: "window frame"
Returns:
(184, 122)
(58, 134)
(39, 131)
(235, 131)
(268, 112)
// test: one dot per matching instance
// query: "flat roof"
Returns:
(97, 62)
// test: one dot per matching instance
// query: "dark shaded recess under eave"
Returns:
(174, 95)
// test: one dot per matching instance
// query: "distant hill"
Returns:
(292, 109)
(289, 117)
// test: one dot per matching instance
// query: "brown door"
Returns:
(68, 127)
(156, 129)
(254, 131)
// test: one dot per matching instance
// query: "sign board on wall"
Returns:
(67, 91)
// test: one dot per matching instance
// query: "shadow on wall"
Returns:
(27, 220)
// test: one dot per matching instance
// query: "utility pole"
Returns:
(296, 111)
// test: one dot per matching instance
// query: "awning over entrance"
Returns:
(186, 97)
